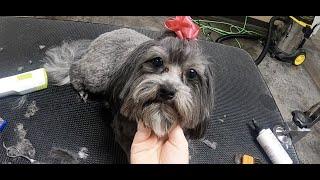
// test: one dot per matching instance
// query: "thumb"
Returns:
(177, 138)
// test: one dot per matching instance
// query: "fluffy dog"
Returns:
(161, 82)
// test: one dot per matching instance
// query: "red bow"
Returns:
(183, 27)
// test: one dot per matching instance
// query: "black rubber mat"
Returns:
(64, 121)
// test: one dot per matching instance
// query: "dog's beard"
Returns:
(142, 104)
(160, 117)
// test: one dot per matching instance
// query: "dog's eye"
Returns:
(157, 62)
(191, 74)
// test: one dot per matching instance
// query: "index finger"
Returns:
(177, 137)
(142, 134)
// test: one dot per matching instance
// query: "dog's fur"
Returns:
(122, 65)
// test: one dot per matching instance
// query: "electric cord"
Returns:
(243, 33)
(255, 37)
(209, 26)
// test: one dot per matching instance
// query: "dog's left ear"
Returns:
(208, 102)
(210, 87)
(197, 132)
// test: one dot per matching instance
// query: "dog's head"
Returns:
(164, 82)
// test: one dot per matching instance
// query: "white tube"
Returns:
(273, 147)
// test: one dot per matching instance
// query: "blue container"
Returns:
(3, 124)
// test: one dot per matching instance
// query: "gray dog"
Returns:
(161, 82)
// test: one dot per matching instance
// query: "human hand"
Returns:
(147, 148)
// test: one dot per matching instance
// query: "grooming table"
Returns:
(65, 122)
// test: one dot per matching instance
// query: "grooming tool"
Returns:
(271, 145)
(24, 83)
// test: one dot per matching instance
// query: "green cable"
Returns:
(241, 30)
(238, 32)
(238, 42)
(217, 22)
(206, 25)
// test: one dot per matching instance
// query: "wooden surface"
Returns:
(262, 18)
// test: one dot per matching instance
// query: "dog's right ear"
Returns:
(119, 86)
(166, 33)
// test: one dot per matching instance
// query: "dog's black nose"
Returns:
(166, 92)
